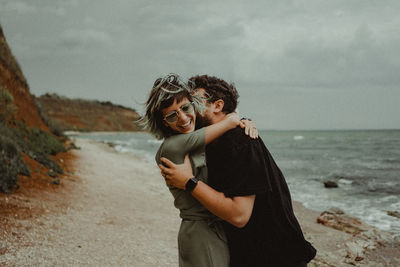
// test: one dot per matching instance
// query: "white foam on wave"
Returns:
(388, 198)
(369, 211)
(298, 137)
(141, 153)
(122, 148)
(395, 206)
(345, 181)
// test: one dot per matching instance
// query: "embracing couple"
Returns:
(234, 202)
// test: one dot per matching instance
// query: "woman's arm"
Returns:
(181, 144)
(229, 122)
(215, 130)
(236, 210)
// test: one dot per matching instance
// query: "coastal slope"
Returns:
(87, 115)
(29, 151)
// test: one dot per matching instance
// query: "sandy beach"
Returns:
(113, 209)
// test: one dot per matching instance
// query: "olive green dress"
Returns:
(201, 239)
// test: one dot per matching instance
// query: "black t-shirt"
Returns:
(240, 166)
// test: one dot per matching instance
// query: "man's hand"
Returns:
(176, 175)
(249, 128)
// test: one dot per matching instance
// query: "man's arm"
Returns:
(236, 210)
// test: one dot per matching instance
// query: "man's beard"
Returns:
(202, 121)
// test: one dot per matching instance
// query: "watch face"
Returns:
(191, 184)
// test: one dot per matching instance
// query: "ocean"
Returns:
(364, 163)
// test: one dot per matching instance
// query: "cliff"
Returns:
(13, 80)
(87, 115)
(27, 146)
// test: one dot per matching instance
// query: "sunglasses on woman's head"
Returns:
(172, 81)
(172, 116)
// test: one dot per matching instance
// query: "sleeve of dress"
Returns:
(176, 147)
(250, 171)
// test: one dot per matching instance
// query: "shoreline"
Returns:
(115, 209)
(300, 193)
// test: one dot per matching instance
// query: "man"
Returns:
(246, 189)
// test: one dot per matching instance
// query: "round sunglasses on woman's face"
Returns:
(172, 116)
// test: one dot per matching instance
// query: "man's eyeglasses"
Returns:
(202, 95)
(172, 116)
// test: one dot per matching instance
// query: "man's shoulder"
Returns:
(237, 139)
(235, 134)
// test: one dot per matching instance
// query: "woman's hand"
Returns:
(176, 175)
(233, 119)
(249, 128)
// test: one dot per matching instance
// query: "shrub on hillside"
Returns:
(11, 163)
(7, 107)
(38, 145)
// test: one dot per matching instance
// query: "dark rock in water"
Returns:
(394, 213)
(330, 184)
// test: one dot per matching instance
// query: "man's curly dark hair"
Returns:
(217, 89)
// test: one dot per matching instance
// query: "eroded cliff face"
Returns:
(25, 138)
(87, 115)
(13, 80)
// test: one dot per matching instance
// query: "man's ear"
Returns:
(218, 105)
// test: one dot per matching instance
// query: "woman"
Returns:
(171, 114)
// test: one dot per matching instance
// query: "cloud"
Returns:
(329, 55)
(85, 38)
(273, 50)
(24, 7)
(21, 8)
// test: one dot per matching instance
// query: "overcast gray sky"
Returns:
(306, 64)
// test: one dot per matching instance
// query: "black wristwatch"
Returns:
(191, 184)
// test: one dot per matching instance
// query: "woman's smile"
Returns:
(183, 126)
(186, 119)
